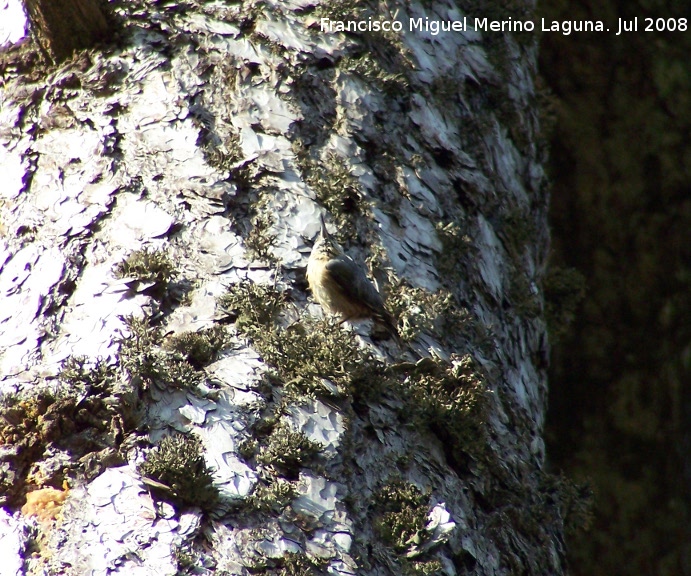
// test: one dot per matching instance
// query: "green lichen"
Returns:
(27, 425)
(259, 241)
(308, 353)
(84, 417)
(455, 246)
(141, 338)
(248, 448)
(301, 565)
(78, 371)
(143, 358)
(104, 387)
(186, 559)
(147, 265)
(223, 155)
(287, 450)
(314, 358)
(291, 564)
(168, 369)
(422, 568)
(344, 10)
(246, 176)
(370, 69)
(420, 311)
(199, 348)
(273, 498)
(333, 184)
(176, 470)
(401, 515)
(252, 305)
(451, 399)
(384, 60)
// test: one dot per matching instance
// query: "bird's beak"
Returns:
(324, 231)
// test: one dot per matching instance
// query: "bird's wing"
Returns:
(357, 287)
(354, 284)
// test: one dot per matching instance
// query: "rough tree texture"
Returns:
(63, 26)
(173, 185)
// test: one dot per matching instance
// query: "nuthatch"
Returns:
(341, 286)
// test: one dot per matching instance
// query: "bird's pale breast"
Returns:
(329, 294)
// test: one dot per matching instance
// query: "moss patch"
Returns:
(313, 358)
(147, 265)
(142, 356)
(401, 515)
(252, 305)
(287, 450)
(274, 497)
(451, 399)
(176, 471)
(291, 564)
(87, 418)
(419, 311)
(259, 241)
(199, 348)
(335, 187)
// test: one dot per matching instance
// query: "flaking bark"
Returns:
(62, 26)
(165, 197)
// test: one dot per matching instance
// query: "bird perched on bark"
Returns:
(341, 286)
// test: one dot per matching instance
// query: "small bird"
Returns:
(341, 286)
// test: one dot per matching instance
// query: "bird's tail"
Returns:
(385, 319)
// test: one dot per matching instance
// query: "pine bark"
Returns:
(174, 186)
(62, 26)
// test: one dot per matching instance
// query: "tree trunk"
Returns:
(63, 26)
(163, 356)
